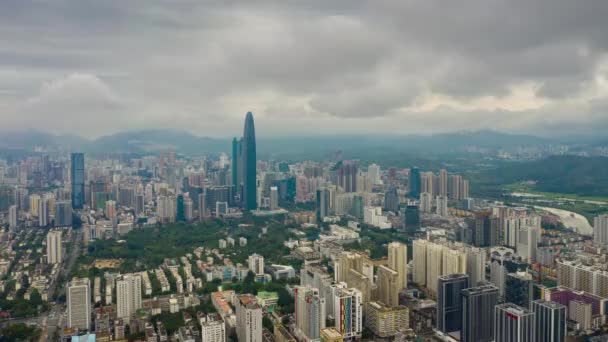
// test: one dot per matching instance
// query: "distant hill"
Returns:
(314, 147)
(584, 176)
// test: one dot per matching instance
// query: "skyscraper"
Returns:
(235, 166)
(443, 182)
(600, 230)
(388, 286)
(322, 203)
(449, 301)
(397, 260)
(63, 214)
(249, 164)
(77, 180)
(128, 295)
(309, 311)
(419, 262)
(414, 183)
(549, 321)
(79, 303)
(248, 319)
(477, 313)
(348, 311)
(513, 323)
(54, 252)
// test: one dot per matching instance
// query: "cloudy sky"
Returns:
(304, 66)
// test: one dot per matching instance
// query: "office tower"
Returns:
(249, 165)
(235, 165)
(442, 206)
(348, 312)
(110, 210)
(180, 215)
(549, 321)
(54, 252)
(63, 214)
(414, 183)
(385, 321)
(443, 183)
(513, 323)
(411, 217)
(322, 203)
(77, 176)
(274, 198)
(256, 264)
(449, 301)
(12, 217)
(581, 313)
(79, 304)
(600, 230)
(391, 199)
(426, 202)
(248, 319)
(419, 262)
(477, 313)
(309, 312)
(482, 229)
(397, 260)
(213, 328)
(202, 206)
(527, 243)
(476, 265)
(43, 212)
(128, 295)
(518, 288)
(388, 286)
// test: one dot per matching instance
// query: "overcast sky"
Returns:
(304, 66)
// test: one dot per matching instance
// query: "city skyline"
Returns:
(343, 67)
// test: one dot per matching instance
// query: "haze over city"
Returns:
(303, 171)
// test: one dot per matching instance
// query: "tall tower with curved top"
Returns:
(249, 160)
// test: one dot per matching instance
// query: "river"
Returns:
(571, 220)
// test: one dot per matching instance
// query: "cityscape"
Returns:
(198, 171)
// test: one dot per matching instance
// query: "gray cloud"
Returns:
(96, 67)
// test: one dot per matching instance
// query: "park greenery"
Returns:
(19, 332)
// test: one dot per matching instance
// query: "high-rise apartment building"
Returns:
(419, 262)
(43, 212)
(256, 264)
(248, 319)
(323, 203)
(348, 312)
(54, 251)
(79, 304)
(477, 313)
(309, 312)
(449, 301)
(513, 323)
(128, 295)
(388, 286)
(213, 328)
(397, 260)
(12, 217)
(600, 230)
(426, 202)
(77, 177)
(443, 182)
(549, 321)
(442, 206)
